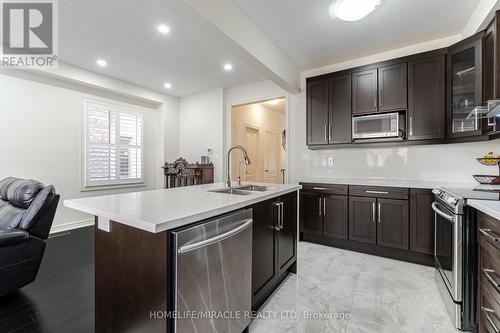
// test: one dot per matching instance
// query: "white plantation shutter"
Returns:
(114, 145)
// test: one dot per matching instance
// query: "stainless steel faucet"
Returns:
(245, 155)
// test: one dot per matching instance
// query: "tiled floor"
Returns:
(373, 294)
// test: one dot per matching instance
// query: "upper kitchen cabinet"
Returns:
(379, 90)
(426, 98)
(392, 87)
(465, 87)
(317, 112)
(339, 130)
(491, 64)
(329, 110)
(364, 92)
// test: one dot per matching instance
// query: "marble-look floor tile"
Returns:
(360, 292)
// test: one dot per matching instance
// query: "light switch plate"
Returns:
(103, 224)
(330, 161)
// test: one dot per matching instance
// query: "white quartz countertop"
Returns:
(160, 210)
(388, 182)
(489, 207)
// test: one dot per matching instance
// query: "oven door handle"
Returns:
(442, 214)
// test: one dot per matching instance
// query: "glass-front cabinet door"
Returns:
(465, 91)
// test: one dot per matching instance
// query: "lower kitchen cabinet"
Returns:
(391, 222)
(392, 229)
(335, 216)
(311, 218)
(362, 220)
(274, 247)
(421, 221)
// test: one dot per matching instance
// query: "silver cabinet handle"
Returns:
(326, 133)
(329, 132)
(279, 225)
(379, 212)
(216, 239)
(486, 273)
(486, 233)
(282, 215)
(320, 210)
(373, 212)
(320, 188)
(324, 206)
(487, 312)
(376, 192)
(442, 214)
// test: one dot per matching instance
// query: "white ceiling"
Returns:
(304, 31)
(124, 33)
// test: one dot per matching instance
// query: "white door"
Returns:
(271, 157)
(252, 147)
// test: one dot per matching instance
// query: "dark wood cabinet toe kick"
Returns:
(391, 222)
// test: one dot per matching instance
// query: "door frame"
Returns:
(229, 132)
(259, 146)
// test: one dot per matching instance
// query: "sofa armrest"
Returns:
(11, 236)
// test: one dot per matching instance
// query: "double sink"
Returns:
(242, 190)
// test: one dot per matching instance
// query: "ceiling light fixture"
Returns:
(228, 67)
(274, 102)
(167, 85)
(102, 62)
(164, 29)
(353, 10)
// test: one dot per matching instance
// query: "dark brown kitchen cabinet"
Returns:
(274, 250)
(263, 263)
(340, 117)
(421, 221)
(335, 216)
(426, 98)
(317, 112)
(311, 219)
(363, 220)
(392, 218)
(492, 59)
(364, 92)
(464, 89)
(287, 236)
(392, 87)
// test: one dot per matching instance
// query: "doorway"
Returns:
(260, 128)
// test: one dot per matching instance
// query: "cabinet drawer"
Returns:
(489, 308)
(379, 192)
(489, 265)
(489, 230)
(325, 188)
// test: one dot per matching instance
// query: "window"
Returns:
(114, 145)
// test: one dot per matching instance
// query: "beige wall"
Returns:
(265, 119)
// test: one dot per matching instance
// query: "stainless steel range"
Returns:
(455, 250)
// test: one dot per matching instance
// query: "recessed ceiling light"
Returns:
(274, 102)
(353, 10)
(102, 62)
(164, 29)
(167, 85)
(228, 67)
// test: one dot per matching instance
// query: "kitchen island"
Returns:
(135, 250)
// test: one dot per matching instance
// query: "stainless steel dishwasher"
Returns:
(213, 275)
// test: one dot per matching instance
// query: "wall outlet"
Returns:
(330, 161)
(210, 151)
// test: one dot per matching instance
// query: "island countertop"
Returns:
(489, 207)
(165, 209)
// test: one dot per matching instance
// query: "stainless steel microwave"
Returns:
(376, 126)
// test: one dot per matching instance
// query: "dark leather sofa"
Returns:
(27, 209)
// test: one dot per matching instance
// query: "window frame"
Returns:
(88, 185)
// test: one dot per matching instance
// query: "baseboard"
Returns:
(70, 226)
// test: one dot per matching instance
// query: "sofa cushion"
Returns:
(11, 236)
(11, 215)
(4, 185)
(35, 209)
(21, 192)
